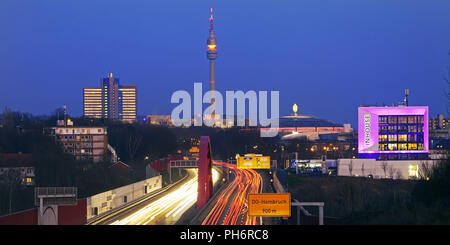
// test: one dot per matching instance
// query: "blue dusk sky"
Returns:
(327, 56)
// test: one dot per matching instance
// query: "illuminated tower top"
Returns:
(212, 43)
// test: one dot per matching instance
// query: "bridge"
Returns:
(183, 164)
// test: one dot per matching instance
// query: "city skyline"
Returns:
(327, 59)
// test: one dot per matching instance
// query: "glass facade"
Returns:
(393, 133)
(400, 133)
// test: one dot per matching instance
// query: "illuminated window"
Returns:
(392, 119)
(392, 137)
(392, 128)
(412, 119)
(392, 147)
(403, 147)
(402, 119)
(383, 138)
(412, 146)
(402, 137)
(413, 171)
(382, 119)
(419, 119)
(383, 147)
(28, 180)
(420, 146)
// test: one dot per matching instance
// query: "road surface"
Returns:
(232, 204)
(165, 208)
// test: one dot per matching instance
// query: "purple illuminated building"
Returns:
(393, 132)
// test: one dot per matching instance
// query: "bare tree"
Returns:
(133, 142)
(8, 119)
(11, 180)
(350, 167)
(391, 172)
(425, 170)
(399, 174)
(384, 166)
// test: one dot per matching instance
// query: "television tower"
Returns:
(212, 55)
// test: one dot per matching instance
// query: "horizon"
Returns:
(317, 56)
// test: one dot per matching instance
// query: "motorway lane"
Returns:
(266, 175)
(232, 204)
(121, 212)
(166, 208)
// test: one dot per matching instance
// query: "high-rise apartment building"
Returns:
(92, 102)
(111, 100)
(85, 143)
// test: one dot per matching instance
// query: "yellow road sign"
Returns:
(253, 161)
(269, 204)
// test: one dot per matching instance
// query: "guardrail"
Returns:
(300, 207)
(127, 206)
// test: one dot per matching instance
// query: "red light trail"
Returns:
(234, 196)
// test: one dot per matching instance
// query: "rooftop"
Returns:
(305, 121)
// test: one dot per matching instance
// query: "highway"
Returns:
(232, 203)
(165, 208)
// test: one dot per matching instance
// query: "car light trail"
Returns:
(234, 197)
(169, 208)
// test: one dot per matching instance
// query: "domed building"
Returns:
(310, 127)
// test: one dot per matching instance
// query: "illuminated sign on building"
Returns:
(367, 128)
(393, 130)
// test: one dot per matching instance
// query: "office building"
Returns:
(111, 100)
(393, 133)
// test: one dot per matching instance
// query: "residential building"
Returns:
(17, 167)
(85, 143)
(440, 122)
